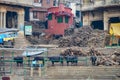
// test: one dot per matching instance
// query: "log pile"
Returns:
(108, 60)
(85, 37)
(102, 59)
(72, 52)
(69, 31)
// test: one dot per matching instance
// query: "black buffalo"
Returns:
(36, 34)
(18, 60)
(72, 59)
(54, 59)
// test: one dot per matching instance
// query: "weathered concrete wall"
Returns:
(105, 15)
(17, 2)
(108, 14)
(3, 11)
(88, 17)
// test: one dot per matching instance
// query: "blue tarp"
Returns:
(1, 37)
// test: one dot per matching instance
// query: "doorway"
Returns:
(97, 25)
(11, 19)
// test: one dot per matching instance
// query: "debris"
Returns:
(72, 52)
(84, 37)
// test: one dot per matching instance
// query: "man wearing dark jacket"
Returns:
(93, 59)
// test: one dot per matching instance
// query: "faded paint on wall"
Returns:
(88, 17)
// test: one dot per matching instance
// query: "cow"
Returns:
(54, 59)
(36, 34)
(18, 60)
(72, 59)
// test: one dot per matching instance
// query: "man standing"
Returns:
(93, 59)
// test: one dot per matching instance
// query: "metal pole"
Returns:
(11, 62)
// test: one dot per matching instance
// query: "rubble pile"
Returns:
(84, 37)
(69, 31)
(109, 60)
(102, 59)
(79, 52)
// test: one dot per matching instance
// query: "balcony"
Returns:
(100, 3)
(18, 2)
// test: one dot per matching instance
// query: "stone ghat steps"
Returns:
(72, 73)
(20, 41)
(79, 73)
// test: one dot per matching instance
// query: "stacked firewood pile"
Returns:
(102, 59)
(69, 31)
(85, 37)
(110, 59)
(72, 52)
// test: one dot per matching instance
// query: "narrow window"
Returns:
(34, 14)
(50, 17)
(66, 19)
(60, 19)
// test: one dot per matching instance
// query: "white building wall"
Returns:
(73, 7)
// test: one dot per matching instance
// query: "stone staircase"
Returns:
(20, 41)
(77, 72)
(72, 73)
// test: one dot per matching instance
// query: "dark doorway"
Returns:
(97, 24)
(11, 19)
(114, 20)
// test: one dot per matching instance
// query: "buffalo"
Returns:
(19, 60)
(54, 59)
(72, 59)
(36, 34)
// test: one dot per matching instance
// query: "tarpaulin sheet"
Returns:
(7, 39)
(2, 36)
(115, 29)
(33, 51)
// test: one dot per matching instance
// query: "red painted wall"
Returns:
(58, 28)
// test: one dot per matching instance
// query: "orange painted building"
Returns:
(59, 19)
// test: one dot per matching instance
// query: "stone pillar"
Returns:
(1, 19)
(21, 22)
(105, 20)
(40, 72)
(86, 19)
(31, 71)
(21, 19)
